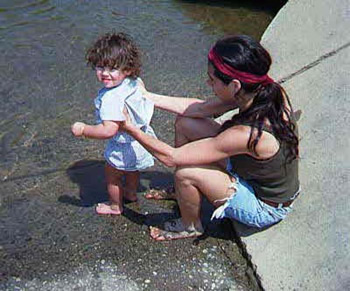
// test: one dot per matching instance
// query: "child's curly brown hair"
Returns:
(115, 50)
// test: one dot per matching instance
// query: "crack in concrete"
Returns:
(313, 64)
(251, 271)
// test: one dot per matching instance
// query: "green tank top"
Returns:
(273, 179)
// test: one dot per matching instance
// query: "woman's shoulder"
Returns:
(235, 137)
(240, 134)
(236, 128)
(239, 128)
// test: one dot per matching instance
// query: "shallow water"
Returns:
(45, 86)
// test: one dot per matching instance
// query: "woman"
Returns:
(247, 167)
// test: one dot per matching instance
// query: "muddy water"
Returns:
(45, 86)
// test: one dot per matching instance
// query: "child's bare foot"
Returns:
(104, 209)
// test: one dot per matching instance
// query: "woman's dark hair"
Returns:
(271, 102)
(115, 50)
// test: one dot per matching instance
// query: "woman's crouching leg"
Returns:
(189, 129)
(193, 182)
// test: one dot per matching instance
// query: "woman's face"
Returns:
(221, 90)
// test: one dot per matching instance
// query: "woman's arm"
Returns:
(204, 151)
(177, 105)
(104, 130)
(190, 107)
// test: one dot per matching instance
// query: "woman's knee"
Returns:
(210, 180)
(185, 175)
(183, 124)
(196, 128)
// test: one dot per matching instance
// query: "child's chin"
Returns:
(110, 85)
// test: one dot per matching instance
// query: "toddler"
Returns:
(116, 61)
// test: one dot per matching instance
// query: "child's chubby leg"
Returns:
(132, 180)
(115, 192)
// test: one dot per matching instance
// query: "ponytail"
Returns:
(272, 103)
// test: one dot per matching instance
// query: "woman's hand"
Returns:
(78, 129)
(141, 85)
(126, 125)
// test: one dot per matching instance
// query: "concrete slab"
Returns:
(310, 250)
(305, 30)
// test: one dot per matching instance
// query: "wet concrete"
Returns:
(51, 239)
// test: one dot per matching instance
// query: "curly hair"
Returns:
(270, 102)
(115, 50)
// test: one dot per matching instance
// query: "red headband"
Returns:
(231, 72)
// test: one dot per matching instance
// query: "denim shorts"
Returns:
(246, 208)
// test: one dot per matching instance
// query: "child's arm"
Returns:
(104, 130)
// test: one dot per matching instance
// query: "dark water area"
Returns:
(45, 86)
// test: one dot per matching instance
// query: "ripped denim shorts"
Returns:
(246, 208)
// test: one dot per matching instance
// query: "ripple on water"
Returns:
(45, 86)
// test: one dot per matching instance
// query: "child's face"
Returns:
(110, 77)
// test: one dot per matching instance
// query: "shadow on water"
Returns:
(270, 5)
(47, 221)
(232, 16)
(219, 229)
(242, 230)
(89, 176)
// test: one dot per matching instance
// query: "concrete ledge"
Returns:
(310, 250)
(305, 30)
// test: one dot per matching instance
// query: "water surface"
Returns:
(45, 86)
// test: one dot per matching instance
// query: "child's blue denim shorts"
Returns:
(246, 208)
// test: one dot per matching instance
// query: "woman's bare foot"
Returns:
(174, 229)
(161, 194)
(105, 209)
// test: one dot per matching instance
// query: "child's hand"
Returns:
(78, 128)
